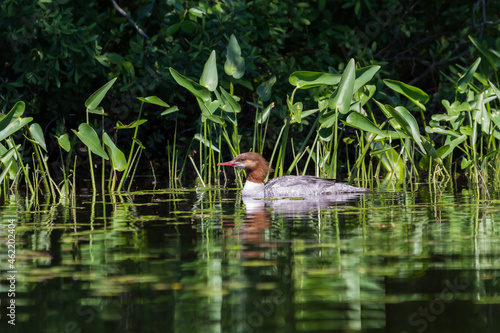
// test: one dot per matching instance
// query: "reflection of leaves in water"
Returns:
(205, 252)
(258, 263)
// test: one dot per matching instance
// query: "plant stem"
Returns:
(126, 171)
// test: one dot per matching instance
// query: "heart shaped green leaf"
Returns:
(196, 89)
(210, 78)
(235, 63)
(341, 98)
(118, 160)
(37, 135)
(414, 94)
(89, 137)
(95, 99)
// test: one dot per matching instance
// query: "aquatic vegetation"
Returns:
(15, 170)
(382, 256)
(398, 142)
(392, 138)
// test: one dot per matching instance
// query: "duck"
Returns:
(257, 168)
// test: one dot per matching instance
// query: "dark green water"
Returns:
(206, 262)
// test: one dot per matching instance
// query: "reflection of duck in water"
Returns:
(257, 168)
(300, 205)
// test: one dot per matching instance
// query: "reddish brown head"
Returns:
(256, 167)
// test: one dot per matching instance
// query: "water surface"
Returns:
(205, 261)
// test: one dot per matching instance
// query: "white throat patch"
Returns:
(252, 189)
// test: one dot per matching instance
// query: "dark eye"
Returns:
(242, 159)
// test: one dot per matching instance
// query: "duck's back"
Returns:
(301, 186)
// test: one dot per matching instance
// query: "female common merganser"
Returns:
(257, 168)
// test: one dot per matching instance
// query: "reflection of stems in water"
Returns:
(92, 218)
(104, 209)
(73, 196)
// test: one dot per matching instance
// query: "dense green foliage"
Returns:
(55, 53)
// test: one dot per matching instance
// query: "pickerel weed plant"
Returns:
(394, 139)
(107, 149)
(399, 142)
(220, 108)
(36, 174)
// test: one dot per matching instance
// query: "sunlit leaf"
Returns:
(444, 152)
(95, 99)
(197, 12)
(328, 118)
(208, 144)
(360, 122)
(235, 63)
(235, 107)
(7, 155)
(495, 117)
(367, 93)
(306, 80)
(467, 130)
(456, 107)
(408, 123)
(37, 135)
(307, 113)
(139, 143)
(98, 110)
(64, 142)
(495, 89)
(295, 110)
(439, 130)
(257, 105)
(153, 100)
(385, 109)
(390, 160)
(133, 124)
(265, 88)
(348, 140)
(443, 117)
(118, 160)
(170, 110)
(12, 121)
(210, 78)
(13, 126)
(16, 112)
(376, 152)
(364, 75)
(323, 104)
(414, 94)
(4, 172)
(207, 111)
(196, 89)
(264, 115)
(341, 98)
(481, 116)
(89, 137)
(465, 163)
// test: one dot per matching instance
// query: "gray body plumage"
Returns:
(300, 186)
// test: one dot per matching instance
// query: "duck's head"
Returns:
(255, 165)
